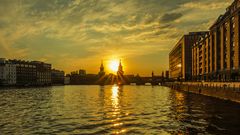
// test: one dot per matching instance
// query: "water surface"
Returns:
(114, 110)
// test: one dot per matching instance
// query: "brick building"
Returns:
(216, 56)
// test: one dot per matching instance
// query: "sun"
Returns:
(113, 65)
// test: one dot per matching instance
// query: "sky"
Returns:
(78, 34)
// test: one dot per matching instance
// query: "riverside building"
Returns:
(26, 72)
(57, 76)
(43, 73)
(7, 72)
(216, 56)
(180, 57)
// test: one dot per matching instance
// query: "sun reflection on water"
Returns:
(116, 111)
(115, 101)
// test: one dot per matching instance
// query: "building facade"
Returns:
(26, 72)
(43, 73)
(180, 58)
(57, 76)
(82, 72)
(167, 74)
(201, 52)
(66, 80)
(7, 72)
(216, 56)
(2, 74)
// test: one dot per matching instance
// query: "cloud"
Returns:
(169, 17)
(206, 5)
(82, 31)
(3, 24)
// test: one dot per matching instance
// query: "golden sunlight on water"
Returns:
(180, 108)
(180, 102)
(114, 110)
(115, 96)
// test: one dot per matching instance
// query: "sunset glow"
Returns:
(119, 67)
(113, 65)
(70, 33)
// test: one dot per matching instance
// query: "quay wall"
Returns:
(226, 91)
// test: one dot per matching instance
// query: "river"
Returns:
(114, 110)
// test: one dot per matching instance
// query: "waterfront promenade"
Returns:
(223, 90)
(226, 85)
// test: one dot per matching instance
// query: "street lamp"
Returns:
(180, 66)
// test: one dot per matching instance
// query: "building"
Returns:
(167, 74)
(201, 58)
(57, 76)
(120, 69)
(43, 73)
(217, 56)
(2, 73)
(101, 71)
(101, 77)
(82, 72)
(26, 72)
(7, 72)
(120, 72)
(66, 80)
(180, 57)
(74, 73)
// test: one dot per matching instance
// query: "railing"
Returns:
(213, 85)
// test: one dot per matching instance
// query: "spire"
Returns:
(101, 72)
(102, 67)
(120, 68)
(120, 64)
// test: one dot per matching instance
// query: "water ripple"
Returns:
(90, 110)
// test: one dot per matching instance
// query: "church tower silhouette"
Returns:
(101, 72)
(120, 69)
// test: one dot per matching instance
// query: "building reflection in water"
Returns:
(179, 112)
